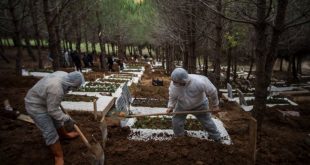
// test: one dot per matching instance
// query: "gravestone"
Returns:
(241, 98)
(229, 90)
(121, 104)
(126, 93)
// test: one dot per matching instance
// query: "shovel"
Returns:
(95, 149)
(171, 113)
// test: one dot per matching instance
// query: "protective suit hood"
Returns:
(73, 79)
(180, 75)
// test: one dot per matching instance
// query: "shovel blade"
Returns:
(104, 132)
(98, 161)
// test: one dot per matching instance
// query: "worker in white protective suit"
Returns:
(190, 92)
(42, 103)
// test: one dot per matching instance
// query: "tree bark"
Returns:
(266, 57)
(228, 65)
(52, 38)
(281, 64)
(86, 41)
(251, 63)
(149, 49)
(2, 51)
(192, 41)
(218, 45)
(101, 44)
(29, 49)
(16, 39)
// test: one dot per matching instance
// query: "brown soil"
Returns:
(282, 140)
(78, 98)
(146, 102)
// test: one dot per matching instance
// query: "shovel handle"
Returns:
(82, 136)
(172, 113)
(78, 130)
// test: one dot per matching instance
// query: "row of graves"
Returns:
(280, 94)
(103, 92)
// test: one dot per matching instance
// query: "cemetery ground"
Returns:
(281, 140)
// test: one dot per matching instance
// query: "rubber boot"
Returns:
(67, 135)
(58, 154)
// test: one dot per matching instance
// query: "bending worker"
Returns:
(42, 104)
(189, 92)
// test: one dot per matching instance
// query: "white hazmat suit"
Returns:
(43, 100)
(192, 95)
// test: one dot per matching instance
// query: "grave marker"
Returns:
(121, 104)
(229, 90)
(241, 98)
(126, 93)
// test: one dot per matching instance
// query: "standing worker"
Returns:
(42, 103)
(189, 92)
(76, 60)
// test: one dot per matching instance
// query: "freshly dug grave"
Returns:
(78, 98)
(149, 102)
(92, 76)
(164, 123)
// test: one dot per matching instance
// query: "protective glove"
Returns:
(169, 110)
(68, 119)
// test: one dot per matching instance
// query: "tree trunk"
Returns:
(2, 51)
(29, 49)
(168, 58)
(281, 64)
(121, 48)
(299, 62)
(218, 45)
(78, 36)
(294, 68)
(140, 47)
(149, 49)
(251, 64)
(58, 42)
(71, 45)
(16, 39)
(130, 49)
(93, 43)
(192, 40)
(266, 59)
(260, 51)
(228, 65)
(101, 43)
(113, 49)
(86, 45)
(52, 38)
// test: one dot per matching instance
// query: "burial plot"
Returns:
(86, 103)
(149, 102)
(159, 128)
(36, 72)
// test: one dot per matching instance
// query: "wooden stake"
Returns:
(108, 108)
(95, 109)
(253, 138)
